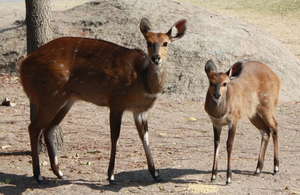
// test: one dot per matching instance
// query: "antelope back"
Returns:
(246, 87)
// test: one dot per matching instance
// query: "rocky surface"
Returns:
(209, 36)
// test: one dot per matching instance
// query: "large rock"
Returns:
(209, 36)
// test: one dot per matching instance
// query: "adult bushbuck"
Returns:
(249, 89)
(72, 68)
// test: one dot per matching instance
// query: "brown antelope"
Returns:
(71, 68)
(249, 89)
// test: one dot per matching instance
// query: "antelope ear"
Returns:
(235, 70)
(210, 67)
(180, 27)
(145, 26)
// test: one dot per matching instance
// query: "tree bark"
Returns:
(38, 21)
(39, 32)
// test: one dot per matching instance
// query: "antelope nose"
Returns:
(156, 59)
(217, 95)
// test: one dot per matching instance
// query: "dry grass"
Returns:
(265, 7)
(281, 18)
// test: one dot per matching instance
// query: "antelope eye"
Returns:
(224, 84)
(212, 84)
(165, 44)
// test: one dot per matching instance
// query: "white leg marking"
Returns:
(112, 177)
(60, 173)
(146, 138)
(217, 151)
(139, 118)
(228, 180)
(55, 161)
(257, 170)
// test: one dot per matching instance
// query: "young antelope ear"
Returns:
(180, 26)
(210, 67)
(235, 70)
(145, 26)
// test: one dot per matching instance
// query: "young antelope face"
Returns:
(157, 43)
(218, 83)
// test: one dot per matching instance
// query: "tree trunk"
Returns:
(39, 32)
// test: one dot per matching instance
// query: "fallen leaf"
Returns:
(5, 146)
(162, 134)
(192, 119)
(44, 163)
(161, 188)
(202, 188)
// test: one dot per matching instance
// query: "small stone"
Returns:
(44, 163)
(5, 147)
(7, 102)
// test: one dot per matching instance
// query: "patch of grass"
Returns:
(274, 7)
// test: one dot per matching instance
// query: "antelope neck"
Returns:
(217, 110)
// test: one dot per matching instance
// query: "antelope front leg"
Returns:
(115, 119)
(142, 127)
(230, 139)
(217, 133)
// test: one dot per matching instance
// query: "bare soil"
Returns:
(181, 139)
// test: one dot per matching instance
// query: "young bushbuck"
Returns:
(72, 68)
(249, 89)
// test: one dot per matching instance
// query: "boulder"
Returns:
(209, 36)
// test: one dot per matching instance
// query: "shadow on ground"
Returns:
(15, 153)
(143, 178)
(17, 184)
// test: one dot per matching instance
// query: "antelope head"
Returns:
(218, 81)
(157, 43)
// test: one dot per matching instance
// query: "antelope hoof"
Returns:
(112, 180)
(155, 175)
(228, 181)
(60, 175)
(213, 178)
(39, 179)
(257, 172)
(276, 170)
(63, 177)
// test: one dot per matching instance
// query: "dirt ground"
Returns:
(181, 140)
(182, 143)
